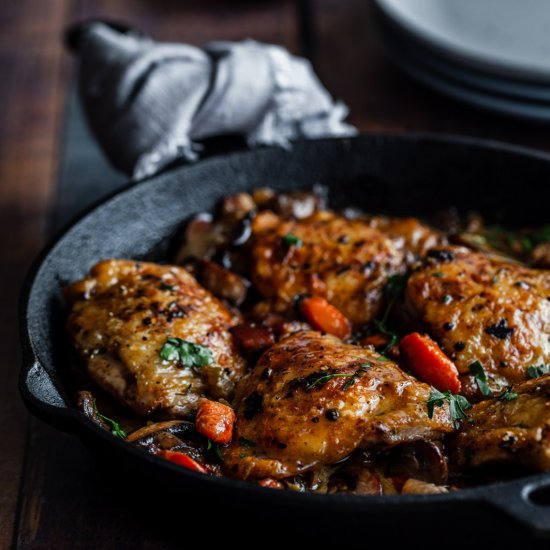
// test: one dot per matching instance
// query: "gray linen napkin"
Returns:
(148, 103)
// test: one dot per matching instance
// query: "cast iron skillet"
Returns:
(407, 175)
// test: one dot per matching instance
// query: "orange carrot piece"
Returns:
(215, 421)
(182, 459)
(325, 317)
(426, 360)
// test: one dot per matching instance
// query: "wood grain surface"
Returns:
(51, 494)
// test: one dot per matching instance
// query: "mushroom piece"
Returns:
(299, 204)
(85, 402)
(368, 483)
(179, 436)
(172, 435)
(420, 460)
(223, 283)
(540, 255)
(236, 207)
(201, 238)
(418, 487)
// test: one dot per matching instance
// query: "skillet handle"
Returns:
(43, 399)
(527, 503)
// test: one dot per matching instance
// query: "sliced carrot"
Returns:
(183, 460)
(325, 317)
(215, 421)
(426, 360)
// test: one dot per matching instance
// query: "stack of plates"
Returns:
(491, 53)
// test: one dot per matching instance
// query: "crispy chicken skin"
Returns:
(345, 261)
(480, 308)
(121, 316)
(312, 399)
(410, 235)
(511, 431)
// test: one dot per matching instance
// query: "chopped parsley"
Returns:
(500, 330)
(292, 240)
(477, 370)
(438, 274)
(320, 378)
(357, 374)
(535, 371)
(508, 395)
(458, 405)
(396, 285)
(115, 426)
(394, 289)
(215, 447)
(187, 354)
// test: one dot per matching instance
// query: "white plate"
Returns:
(506, 37)
(409, 60)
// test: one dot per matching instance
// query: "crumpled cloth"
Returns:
(149, 103)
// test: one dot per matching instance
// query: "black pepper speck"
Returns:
(500, 330)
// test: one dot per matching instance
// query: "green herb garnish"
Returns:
(357, 374)
(167, 287)
(508, 395)
(438, 274)
(394, 288)
(527, 244)
(292, 240)
(187, 354)
(535, 371)
(458, 405)
(115, 426)
(396, 285)
(446, 299)
(324, 378)
(215, 447)
(476, 368)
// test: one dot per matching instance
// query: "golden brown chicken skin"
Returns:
(345, 261)
(312, 399)
(410, 235)
(122, 315)
(482, 309)
(512, 429)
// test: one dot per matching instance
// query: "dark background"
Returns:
(51, 495)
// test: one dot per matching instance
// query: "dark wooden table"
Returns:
(51, 495)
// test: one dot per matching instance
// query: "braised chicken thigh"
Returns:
(345, 261)
(483, 309)
(513, 429)
(312, 399)
(410, 235)
(123, 314)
